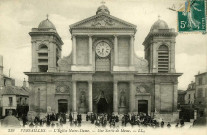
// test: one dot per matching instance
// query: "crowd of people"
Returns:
(99, 120)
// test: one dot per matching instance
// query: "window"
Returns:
(43, 68)
(200, 81)
(163, 59)
(200, 92)
(43, 47)
(10, 101)
(43, 58)
(189, 96)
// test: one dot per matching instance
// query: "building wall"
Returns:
(201, 93)
(190, 97)
(6, 103)
(123, 51)
(82, 50)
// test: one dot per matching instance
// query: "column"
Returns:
(172, 57)
(157, 98)
(90, 96)
(132, 50)
(115, 50)
(74, 97)
(131, 97)
(90, 50)
(115, 98)
(175, 97)
(74, 49)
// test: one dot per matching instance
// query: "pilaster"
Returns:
(90, 101)
(115, 98)
(74, 97)
(74, 49)
(90, 50)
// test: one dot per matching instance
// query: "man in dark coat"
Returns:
(79, 119)
(70, 118)
(162, 124)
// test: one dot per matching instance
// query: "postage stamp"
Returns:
(192, 16)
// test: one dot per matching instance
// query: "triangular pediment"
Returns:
(102, 21)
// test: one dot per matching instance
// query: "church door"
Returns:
(62, 106)
(102, 106)
(143, 106)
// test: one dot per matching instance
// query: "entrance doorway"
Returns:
(143, 106)
(102, 106)
(62, 106)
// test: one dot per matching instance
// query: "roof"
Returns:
(15, 90)
(181, 91)
(191, 86)
(200, 74)
(46, 24)
(102, 9)
(159, 24)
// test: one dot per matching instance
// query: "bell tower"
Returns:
(46, 47)
(160, 48)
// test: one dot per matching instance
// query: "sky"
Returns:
(18, 17)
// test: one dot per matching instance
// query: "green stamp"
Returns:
(192, 17)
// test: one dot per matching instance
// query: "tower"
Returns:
(160, 48)
(46, 47)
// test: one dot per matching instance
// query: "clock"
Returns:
(103, 49)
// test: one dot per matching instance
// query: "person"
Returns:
(177, 125)
(24, 120)
(75, 122)
(79, 119)
(70, 118)
(92, 118)
(162, 124)
(182, 122)
(53, 125)
(168, 125)
(31, 125)
(87, 117)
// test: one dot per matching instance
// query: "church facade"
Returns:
(103, 74)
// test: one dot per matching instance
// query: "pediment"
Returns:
(103, 21)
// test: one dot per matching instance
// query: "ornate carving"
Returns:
(142, 89)
(102, 22)
(61, 87)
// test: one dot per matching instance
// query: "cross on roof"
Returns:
(103, 2)
(47, 16)
(159, 17)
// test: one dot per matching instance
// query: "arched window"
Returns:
(43, 47)
(43, 58)
(163, 59)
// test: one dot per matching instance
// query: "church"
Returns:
(103, 74)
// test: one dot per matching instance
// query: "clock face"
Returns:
(103, 49)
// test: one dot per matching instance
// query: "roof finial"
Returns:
(158, 17)
(103, 2)
(47, 16)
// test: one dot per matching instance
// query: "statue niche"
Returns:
(122, 101)
(82, 99)
(82, 107)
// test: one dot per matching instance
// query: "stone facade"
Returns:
(201, 94)
(103, 73)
